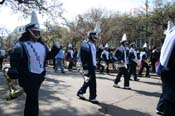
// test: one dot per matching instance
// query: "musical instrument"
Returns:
(134, 60)
(13, 86)
(120, 64)
(82, 72)
(103, 63)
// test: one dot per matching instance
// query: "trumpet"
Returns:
(14, 89)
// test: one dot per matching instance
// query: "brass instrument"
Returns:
(14, 89)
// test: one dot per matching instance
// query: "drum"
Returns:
(119, 65)
(103, 63)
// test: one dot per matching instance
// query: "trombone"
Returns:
(14, 90)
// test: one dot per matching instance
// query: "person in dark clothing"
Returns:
(87, 54)
(105, 58)
(120, 56)
(27, 61)
(154, 58)
(132, 61)
(70, 53)
(75, 57)
(55, 50)
(1, 60)
(99, 59)
(144, 61)
(166, 69)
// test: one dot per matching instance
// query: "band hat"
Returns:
(124, 38)
(34, 24)
(145, 45)
(169, 27)
(95, 33)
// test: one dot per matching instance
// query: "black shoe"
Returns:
(126, 87)
(159, 112)
(136, 79)
(116, 85)
(94, 101)
(69, 69)
(81, 96)
(63, 72)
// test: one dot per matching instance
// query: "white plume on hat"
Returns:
(106, 45)
(57, 44)
(145, 45)
(34, 21)
(101, 46)
(124, 38)
(97, 28)
(170, 26)
(69, 45)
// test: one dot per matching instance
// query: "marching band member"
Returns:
(90, 66)
(28, 62)
(87, 56)
(132, 61)
(120, 55)
(105, 58)
(154, 56)
(70, 53)
(99, 52)
(144, 61)
(166, 69)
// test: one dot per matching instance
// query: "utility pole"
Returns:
(146, 4)
(146, 29)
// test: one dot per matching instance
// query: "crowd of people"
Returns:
(28, 62)
(106, 58)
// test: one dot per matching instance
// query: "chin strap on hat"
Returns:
(34, 35)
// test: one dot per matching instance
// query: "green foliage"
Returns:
(138, 26)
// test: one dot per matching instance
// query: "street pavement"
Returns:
(57, 96)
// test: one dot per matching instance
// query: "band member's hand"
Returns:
(13, 73)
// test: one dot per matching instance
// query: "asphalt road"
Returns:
(58, 97)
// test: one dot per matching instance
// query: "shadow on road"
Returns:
(47, 96)
(105, 78)
(146, 93)
(151, 83)
(113, 110)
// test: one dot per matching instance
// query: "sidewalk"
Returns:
(58, 97)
